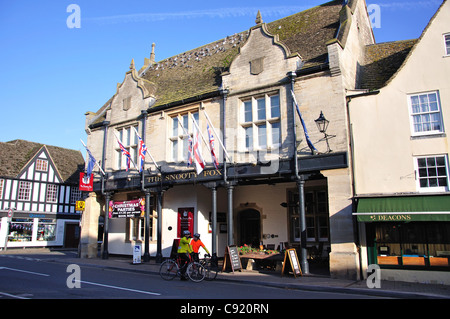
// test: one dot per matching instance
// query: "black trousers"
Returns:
(184, 262)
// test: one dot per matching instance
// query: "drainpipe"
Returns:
(301, 190)
(229, 186)
(214, 222)
(158, 258)
(146, 256)
(107, 195)
(225, 95)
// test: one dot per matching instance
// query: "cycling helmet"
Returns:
(187, 233)
(197, 235)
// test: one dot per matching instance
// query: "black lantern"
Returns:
(322, 125)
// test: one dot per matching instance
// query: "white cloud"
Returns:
(220, 13)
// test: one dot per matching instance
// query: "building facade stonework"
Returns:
(268, 179)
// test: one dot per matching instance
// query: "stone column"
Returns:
(89, 227)
(344, 258)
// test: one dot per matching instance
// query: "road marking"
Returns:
(25, 271)
(120, 288)
(12, 296)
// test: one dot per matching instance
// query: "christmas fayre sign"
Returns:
(127, 209)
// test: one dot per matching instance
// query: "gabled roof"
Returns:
(14, 155)
(382, 61)
(198, 71)
(385, 60)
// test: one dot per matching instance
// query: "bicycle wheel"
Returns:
(196, 272)
(168, 269)
(211, 270)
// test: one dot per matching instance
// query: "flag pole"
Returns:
(148, 152)
(198, 128)
(122, 154)
(218, 137)
(95, 161)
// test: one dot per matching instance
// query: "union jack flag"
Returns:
(211, 146)
(126, 153)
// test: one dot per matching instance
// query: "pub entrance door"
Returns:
(249, 227)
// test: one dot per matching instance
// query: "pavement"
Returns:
(317, 280)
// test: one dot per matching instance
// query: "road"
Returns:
(40, 277)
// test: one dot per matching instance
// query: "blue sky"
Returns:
(51, 75)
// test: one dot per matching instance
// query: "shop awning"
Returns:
(404, 208)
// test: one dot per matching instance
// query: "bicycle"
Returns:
(212, 268)
(170, 268)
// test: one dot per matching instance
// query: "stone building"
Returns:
(270, 186)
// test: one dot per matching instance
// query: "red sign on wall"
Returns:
(185, 220)
(86, 183)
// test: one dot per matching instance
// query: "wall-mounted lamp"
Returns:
(322, 125)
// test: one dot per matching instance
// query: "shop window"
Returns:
(260, 122)
(21, 230)
(414, 244)
(425, 113)
(46, 230)
(432, 173)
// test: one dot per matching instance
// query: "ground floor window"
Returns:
(21, 229)
(316, 214)
(413, 244)
(135, 227)
(46, 230)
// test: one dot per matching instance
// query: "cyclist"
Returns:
(196, 243)
(184, 249)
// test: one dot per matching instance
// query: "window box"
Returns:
(439, 261)
(413, 261)
(388, 260)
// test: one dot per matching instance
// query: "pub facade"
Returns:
(283, 179)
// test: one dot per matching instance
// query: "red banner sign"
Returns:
(86, 182)
(185, 220)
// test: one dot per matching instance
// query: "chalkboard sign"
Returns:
(232, 257)
(291, 254)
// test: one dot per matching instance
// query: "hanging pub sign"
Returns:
(127, 209)
(185, 220)
(86, 182)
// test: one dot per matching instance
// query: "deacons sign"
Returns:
(127, 209)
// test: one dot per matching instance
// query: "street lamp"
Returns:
(322, 125)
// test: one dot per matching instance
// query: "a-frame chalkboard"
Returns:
(291, 254)
(232, 258)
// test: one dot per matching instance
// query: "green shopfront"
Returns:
(406, 232)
